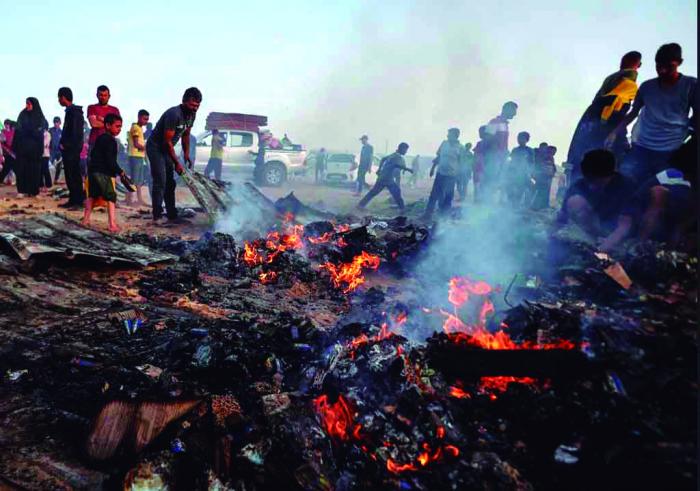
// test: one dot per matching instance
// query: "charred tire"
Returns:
(274, 174)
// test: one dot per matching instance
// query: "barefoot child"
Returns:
(102, 168)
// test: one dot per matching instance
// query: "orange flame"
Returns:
(269, 277)
(392, 466)
(350, 274)
(337, 418)
(459, 393)
(250, 254)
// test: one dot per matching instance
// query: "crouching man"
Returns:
(665, 201)
(175, 123)
(601, 202)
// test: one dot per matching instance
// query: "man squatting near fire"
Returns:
(175, 123)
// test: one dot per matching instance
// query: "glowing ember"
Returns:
(337, 418)
(459, 393)
(398, 468)
(500, 384)
(350, 274)
(269, 277)
(250, 254)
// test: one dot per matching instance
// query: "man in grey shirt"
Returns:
(366, 156)
(451, 157)
(385, 177)
(663, 105)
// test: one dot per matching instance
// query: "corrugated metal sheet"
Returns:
(56, 235)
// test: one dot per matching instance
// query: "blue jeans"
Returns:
(642, 163)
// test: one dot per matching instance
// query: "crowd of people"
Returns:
(611, 187)
(91, 156)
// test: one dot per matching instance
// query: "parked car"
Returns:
(341, 167)
(240, 150)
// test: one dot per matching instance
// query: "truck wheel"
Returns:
(275, 174)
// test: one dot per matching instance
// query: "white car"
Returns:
(240, 149)
(341, 167)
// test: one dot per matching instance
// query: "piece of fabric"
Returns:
(664, 117)
(99, 111)
(136, 133)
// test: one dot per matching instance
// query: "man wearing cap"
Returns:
(385, 177)
(366, 156)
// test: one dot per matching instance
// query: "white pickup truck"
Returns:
(240, 149)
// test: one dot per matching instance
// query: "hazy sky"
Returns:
(327, 72)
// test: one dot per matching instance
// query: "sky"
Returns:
(328, 72)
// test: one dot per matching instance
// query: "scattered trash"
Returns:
(14, 376)
(566, 454)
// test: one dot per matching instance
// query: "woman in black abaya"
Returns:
(28, 146)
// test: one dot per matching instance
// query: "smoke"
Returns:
(245, 218)
(490, 243)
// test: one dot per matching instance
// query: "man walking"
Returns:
(55, 144)
(71, 144)
(450, 158)
(663, 105)
(175, 123)
(366, 156)
(386, 177)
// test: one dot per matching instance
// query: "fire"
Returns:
(337, 418)
(500, 384)
(350, 274)
(461, 290)
(392, 466)
(269, 277)
(250, 254)
(459, 393)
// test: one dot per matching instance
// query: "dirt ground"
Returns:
(335, 198)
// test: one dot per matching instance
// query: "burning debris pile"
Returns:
(309, 359)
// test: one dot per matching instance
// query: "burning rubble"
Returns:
(307, 359)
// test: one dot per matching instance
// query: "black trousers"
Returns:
(162, 170)
(361, 183)
(45, 173)
(442, 193)
(74, 179)
(7, 167)
(378, 187)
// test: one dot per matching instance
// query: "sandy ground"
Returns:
(335, 198)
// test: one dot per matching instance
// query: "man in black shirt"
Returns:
(601, 201)
(102, 168)
(175, 123)
(71, 144)
(385, 177)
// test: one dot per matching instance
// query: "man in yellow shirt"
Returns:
(137, 152)
(216, 158)
(610, 105)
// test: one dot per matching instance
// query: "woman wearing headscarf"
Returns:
(28, 145)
